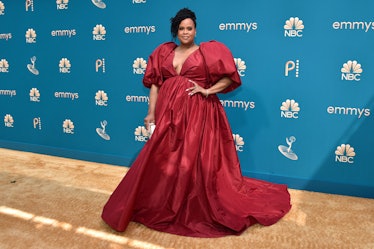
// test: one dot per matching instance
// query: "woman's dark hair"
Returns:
(178, 18)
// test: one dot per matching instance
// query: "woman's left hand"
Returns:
(196, 89)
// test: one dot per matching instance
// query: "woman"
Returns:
(187, 178)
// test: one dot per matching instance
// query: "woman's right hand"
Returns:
(150, 118)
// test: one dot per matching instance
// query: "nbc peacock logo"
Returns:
(294, 27)
(34, 95)
(351, 71)
(8, 121)
(240, 66)
(290, 109)
(68, 126)
(64, 65)
(4, 66)
(139, 65)
(99, 33)
(2, 8)
(239, 142)
(101, 98)
(141, 134)
(62, 4)
(345, 153)
(30, 36)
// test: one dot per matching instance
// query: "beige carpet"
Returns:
(51, 202)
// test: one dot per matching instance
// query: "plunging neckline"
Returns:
(175, 70)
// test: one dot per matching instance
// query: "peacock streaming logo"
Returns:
(62, 4)
(64, 65)
(2, 8)
(34, 95)
(290, 109)
(351, 71)
(141, 134)
(240, 66)
(294, 27)
(101, 98)
(100, 65)
(345, 153)
(29, 5)
(139, 65)
(239, 142)
(139, 1)
(37, 123)
(30, 36)
(99, 33)
(8, 121)
(99, 3)
(4, 66)
(291, 66)
(68, 126)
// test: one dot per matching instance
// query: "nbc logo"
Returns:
(293, 27)
(2, 8)
(99, 3)
(351, 70)
(100, 64)
(99, 33)
(101, 98)
(240, 65)
(29, 4)
(290, 66)
(290, 109)
(239, 142)
(345, 154)
(34, 95)
(4, 66)
(141, 134)
(64, 65)
(8, 121)
(139, 1)
(37, 123)
(68, 126)
(30, 36)
(62, 4)
(139, 66)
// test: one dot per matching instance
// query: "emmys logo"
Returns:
(139, 1)
(290, 109)
(37, 122)
(139, 66)
(239, 143)
(8, 121)
(351, 111)
(99, 33)
(141, 134)
(100, 63)
(99, 3)
(5, 36)
(34, 95)
(293, 27)
(29, 4)
(101, 131)
(2, 8)
(287, 151)
(345, 154)
(30, 36)
(4, 66)
(240, 65)
(68, 126)
(290, 66)
(351, 70)
(31, 67)
(101, 98)
(64, 65)
(62, 4)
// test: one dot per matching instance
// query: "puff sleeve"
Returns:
(153, 74)
(220, 63)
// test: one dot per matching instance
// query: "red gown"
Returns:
(187, 178)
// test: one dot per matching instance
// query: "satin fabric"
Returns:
(187, 178)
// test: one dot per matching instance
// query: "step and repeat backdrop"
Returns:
(71, 82)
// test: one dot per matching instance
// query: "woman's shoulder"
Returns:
(166, 46)
(213, 44)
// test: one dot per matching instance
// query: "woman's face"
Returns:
(186, 32)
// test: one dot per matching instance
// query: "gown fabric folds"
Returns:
(187, 179)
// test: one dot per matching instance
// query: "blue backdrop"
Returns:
(71, 72)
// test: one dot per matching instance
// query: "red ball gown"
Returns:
(187, 178)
